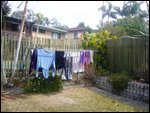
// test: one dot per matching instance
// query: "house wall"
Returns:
(47, 34)
(7, 27)
(63, 35)
(70, 35)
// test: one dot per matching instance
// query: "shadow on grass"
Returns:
(13, 93)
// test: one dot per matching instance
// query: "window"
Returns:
(65, 35)
(28, 28)
(41, 31)
(19, 28)
(77, 34)
(14, 27)
(34, 29)
(8, 26)
(56, 35)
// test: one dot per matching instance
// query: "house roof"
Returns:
(76, 29)
(11, 19)
(52, 29)
(14, 20)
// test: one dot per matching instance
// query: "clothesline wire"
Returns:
(62, 49)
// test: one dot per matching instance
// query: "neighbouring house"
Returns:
(75, 33)
(49, 32)
(12, 25)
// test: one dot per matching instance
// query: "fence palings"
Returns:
(9, 46)
(127, 54)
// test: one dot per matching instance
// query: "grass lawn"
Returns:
(69, 99)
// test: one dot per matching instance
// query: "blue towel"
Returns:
(45, 60)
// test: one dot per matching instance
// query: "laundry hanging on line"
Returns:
(69, 61)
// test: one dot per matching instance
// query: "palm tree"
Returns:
(147, 6)
(131, 8)
(102, 16)
(108, 12)
(3, 73)
(135, 9)
(19, 42)
(5, 8)
(124, 11)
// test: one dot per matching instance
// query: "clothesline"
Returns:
(70, 61)
(63, 49)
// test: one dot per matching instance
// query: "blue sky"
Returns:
(68, 13)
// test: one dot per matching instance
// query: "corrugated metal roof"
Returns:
(76, 29)
(49, 28)
(14, 20)
(52, 29)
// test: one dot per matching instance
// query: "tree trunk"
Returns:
(108, 17)
(147, 7)
(19, 42)
(3, 74)
(102, 16)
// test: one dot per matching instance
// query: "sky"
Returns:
(69, 13)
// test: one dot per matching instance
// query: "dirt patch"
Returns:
(52, 100)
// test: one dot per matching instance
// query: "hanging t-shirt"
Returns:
(46, 61)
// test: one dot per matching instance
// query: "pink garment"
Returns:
(86, 60)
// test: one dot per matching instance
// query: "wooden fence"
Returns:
(9, 47)
(127, 54)
(124, 54)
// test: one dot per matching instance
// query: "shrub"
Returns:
(41, 85)
(119, 81)
(96, 41)
(16, 82)
(102, 72)
(115, 30)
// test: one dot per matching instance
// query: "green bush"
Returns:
(119, 81)
(102, 72)
(115, 30)
(41, 85)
